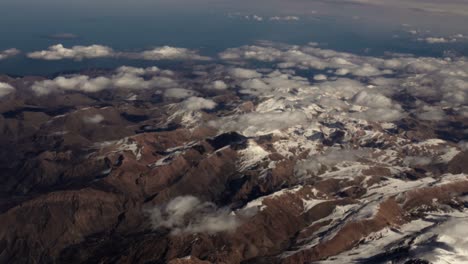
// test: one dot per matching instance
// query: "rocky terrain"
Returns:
(269, 154)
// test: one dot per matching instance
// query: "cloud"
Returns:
(320, 77)
(5, 54)
(284, 18)
(78, 53)
(437, 40)
(187, 214)
(434, 82)
(217, 85)
(254, 86)
(168, 53)
(244, 73)
(6, 89)
(255, 17)
(123, 78)
(59, 52)
(95, 119)
(431, 113)
(198, 103)
(446, 243)
(433, 40)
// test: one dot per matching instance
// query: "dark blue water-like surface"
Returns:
(209, 33)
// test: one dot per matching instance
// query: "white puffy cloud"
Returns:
(5, 54)
(254, 86)
(94, 119)
(217, 85)
(198, 103)
(178, 93)
(124, 78)
(187, 214)
(372, 99)
(170, 53)
(343, 87)
(320, 77)
(5, 89)
(75, 83)
(241, 73)
(59, 52)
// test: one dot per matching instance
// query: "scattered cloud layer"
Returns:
(435, 83)
(59, 52)
(340, 85)
(124, 78)
(188, 214)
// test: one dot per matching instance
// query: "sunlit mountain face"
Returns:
(259, 131)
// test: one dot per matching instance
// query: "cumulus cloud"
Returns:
(320, 77)
(343, 87)
(59, 52)
(273, 83)
(123, 78)
(94, 119)
(217, 85)
(244, 73)
(168, 53)
(198, 103)
(188, 215)
(381, 108)
(5, 54)
(6, 89)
